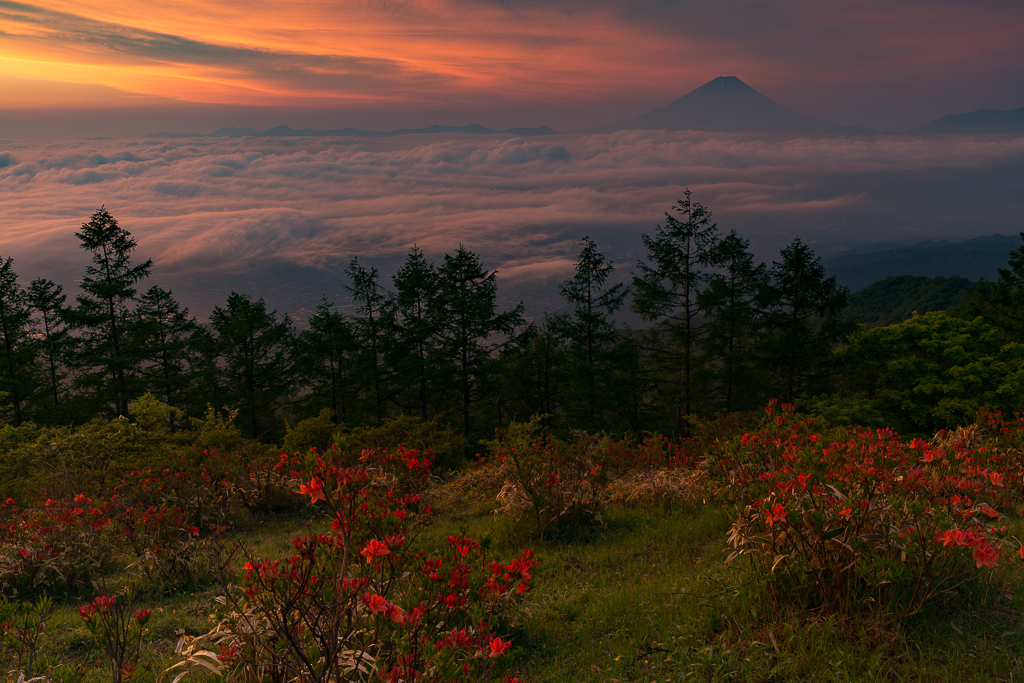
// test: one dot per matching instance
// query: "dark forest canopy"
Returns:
(724, 333)
(897, 298)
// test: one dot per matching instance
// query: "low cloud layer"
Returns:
(280, 218)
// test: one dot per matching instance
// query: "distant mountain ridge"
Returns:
(978, 122)
(285, 131)
(728, 105)
(723, 105)
(971, 259)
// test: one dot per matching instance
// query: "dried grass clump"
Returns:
(966, 438)
(658, 487)
(475, 487)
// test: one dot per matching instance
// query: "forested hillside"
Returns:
(897, 298)
(723, 333)
(980, 257)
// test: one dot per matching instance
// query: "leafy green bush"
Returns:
(314, 432)
(61, 462)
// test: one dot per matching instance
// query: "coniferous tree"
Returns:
(47, 298)
(666, 291)
(327, 350)
(535, 372)
(729, 303)
(258, 353)
(803, 316)
(16, 349)
(1001, 303)
(373, 327)
(171, 342)
(630, 381)
(467, 320)
(104, 316)
(416, 288)
(591, 330)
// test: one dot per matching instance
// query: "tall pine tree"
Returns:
(258, 353)
(171, 350)
(104, 314)
(373, 325)
(416, 288)
(54, 341)
(1001, 303)
(730, 306)
(17, 366)
(467, 320)
(803, 316)
(327, 350)
(534, 372)
(591, 330)
(666, 291)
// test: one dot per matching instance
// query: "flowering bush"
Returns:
(166, 547)
(558, 481)
(118, 629)
(67, 544)
(555, 481)
(855, 517)
(211, 486)
(60, 543)
(404, 471)
(359, 603)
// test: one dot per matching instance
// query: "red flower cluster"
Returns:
(397, 603)
(824, 504)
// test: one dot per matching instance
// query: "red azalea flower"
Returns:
(313, 490)
(499, 647)
(776, 514)
(986, 556)
(374, 549)
(377, 603)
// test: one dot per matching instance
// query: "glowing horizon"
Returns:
(840, 62)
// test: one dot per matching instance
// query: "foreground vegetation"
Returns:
(767, 546)
(376, 507)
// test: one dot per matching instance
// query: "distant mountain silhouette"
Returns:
(978, 122)
(728, 105)
(285, 131)
(972, 259)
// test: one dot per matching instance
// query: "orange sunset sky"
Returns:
(194, 64)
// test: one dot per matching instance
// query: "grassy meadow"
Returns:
(632, 581)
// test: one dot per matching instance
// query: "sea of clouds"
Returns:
(281, 217)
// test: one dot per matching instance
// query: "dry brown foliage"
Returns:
(658, 487)
(474, 487)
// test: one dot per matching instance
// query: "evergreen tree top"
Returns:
(111, 275)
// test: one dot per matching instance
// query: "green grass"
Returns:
(646, 597)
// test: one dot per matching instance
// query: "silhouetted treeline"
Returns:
(725, 334)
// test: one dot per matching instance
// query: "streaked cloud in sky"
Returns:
(281, 217)
(565, 63)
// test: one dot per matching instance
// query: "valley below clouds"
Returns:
(280, 218)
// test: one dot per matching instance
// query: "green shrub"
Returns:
(314, 432)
